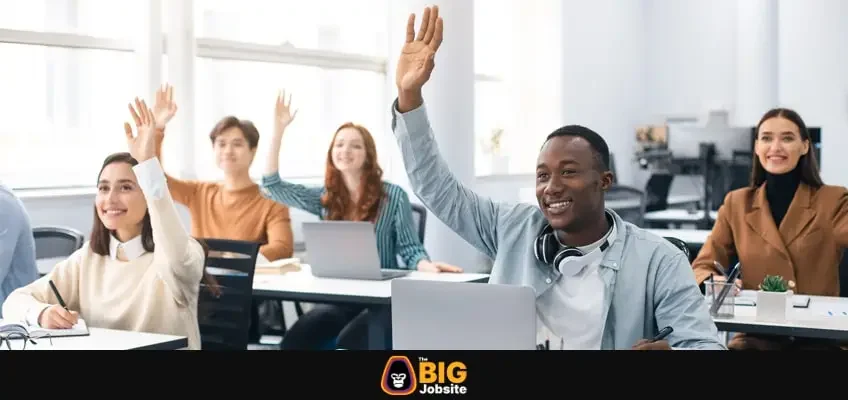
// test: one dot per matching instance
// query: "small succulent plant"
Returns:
(774, 283)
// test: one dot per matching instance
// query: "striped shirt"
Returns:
(17, 246)
(395, 231)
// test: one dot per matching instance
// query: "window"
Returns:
(69, 74)
(114, 19)
(348, 26)
(65, 111)
(325, 98)
(491, 108)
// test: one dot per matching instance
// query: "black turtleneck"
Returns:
(780, 189)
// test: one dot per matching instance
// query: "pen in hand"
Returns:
(58, 296)
(663, 334)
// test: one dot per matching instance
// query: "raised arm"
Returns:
(178, 257)
(164, 109)
(290, 194)
(471, 216)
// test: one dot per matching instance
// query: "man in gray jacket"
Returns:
(600, 282)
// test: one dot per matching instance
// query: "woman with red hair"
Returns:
(353, 190)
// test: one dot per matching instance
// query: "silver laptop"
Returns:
(433, 315)
(345, 249)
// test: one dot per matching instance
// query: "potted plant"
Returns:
(492, 147)
(774, 299)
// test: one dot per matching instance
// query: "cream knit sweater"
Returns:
(156, 292)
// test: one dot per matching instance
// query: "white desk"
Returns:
(375, 295)
(110, 339)
(677, 216)
(302, 286)
(691, 236)
(811, 322)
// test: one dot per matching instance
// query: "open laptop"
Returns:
(434, 315)
(345, 249)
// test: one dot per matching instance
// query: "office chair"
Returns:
(680, 245)
(225, 317)
(56, 241)
(419, 217)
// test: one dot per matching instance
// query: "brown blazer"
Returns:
(807, 248)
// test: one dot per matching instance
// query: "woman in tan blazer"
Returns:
(787, 223)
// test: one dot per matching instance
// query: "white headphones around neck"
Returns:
(568, 260)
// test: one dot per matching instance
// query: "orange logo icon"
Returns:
(399, 377)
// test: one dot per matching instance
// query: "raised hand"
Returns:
(142, 146)
(164, 108)
(417, 57)
(283, 115)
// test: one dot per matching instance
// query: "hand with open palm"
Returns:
(142, 145)
(417, 58)
(283, 114)
(164, 108)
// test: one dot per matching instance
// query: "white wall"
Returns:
(813, 74)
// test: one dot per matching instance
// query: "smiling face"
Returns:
(569, 183)
(779, 145)
(120, 203)
(349, 154)
(232, 151)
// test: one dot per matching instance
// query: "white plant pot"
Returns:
(774, 306)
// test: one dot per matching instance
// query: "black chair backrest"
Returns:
(680, 245)
(657, 188)
(224, 317)
(419, 216)
(56, 241)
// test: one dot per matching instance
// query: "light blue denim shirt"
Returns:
(649, 282)
(17, 245)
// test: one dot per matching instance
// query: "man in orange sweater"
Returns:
(233, 209)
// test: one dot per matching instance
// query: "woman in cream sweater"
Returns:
(140, 271)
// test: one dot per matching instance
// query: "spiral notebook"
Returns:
(80, 329)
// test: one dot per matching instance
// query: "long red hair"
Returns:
(337, 199)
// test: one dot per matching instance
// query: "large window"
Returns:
(325, 98)
(328, 54)
(491, 64)
(67, 75)
(349, 26)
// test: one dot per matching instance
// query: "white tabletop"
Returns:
(303, 286)
(691, 236)
(110, 339)
(678, 215)
(826, 317)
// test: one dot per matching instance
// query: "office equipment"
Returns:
(431, 315)
(346, 250)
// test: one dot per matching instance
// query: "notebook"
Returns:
(80, 329)
(749, 298)
(278, 267)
